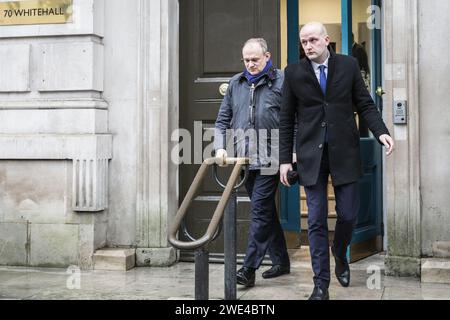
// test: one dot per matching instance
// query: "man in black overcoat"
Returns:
(320, 91)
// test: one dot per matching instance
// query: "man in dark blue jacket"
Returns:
(250, 110)
(320, 92)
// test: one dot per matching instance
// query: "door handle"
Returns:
(380, 92)
(223, 89)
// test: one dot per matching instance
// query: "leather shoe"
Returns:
(276, 271)
(246, 276)
(319, 294)
(342, 269)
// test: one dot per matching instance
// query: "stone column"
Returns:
(157, 176)
(402, 170)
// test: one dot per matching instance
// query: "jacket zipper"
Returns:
(252, 107)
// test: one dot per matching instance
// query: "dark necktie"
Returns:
(323, 79)
(323, 86)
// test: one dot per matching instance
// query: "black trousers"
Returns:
(265, 233)
(347, 207)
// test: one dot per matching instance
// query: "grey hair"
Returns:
(262, 43)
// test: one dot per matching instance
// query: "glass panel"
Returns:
(329, 13)
(362, 48)
(326, 11)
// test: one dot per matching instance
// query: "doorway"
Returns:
(353, 32)
(212, 33)
(211, 36)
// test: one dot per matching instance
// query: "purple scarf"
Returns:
(255, 78)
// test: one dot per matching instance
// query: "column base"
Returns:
(402, 266)
(156, 257)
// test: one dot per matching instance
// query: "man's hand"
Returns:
(221, 155)
(284, 169)
(388, 143)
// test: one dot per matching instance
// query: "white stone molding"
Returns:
(157, 196)
(402, 170)
(55, 147)
(89, 153)
(54, 103)
(143, 153)
(90, 185)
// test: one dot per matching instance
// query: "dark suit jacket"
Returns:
(303, 98)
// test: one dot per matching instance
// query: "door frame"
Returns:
(290, 214)
(291, 198)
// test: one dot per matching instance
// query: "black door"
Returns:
(212, 33)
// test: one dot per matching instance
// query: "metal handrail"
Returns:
(216, 178)
(218, 213)
(186, 233)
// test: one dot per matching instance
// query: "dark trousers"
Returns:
(265, 233)
(347, 207)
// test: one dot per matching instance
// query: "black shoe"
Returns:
(319, 294)
(246, 276)
(276, 271)
(342, 269)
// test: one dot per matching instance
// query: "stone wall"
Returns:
(55, 144)
(69, 95)
(434, 126)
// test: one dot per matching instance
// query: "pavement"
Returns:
(368, 282)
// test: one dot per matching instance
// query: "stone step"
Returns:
(116, 259)
(435, 270)
(441, 249)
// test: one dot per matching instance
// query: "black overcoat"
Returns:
(316, 113)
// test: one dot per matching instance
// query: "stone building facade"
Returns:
(87, 109)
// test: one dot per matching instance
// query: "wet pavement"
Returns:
(368, 282)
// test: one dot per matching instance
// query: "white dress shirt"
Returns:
(317, 70)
